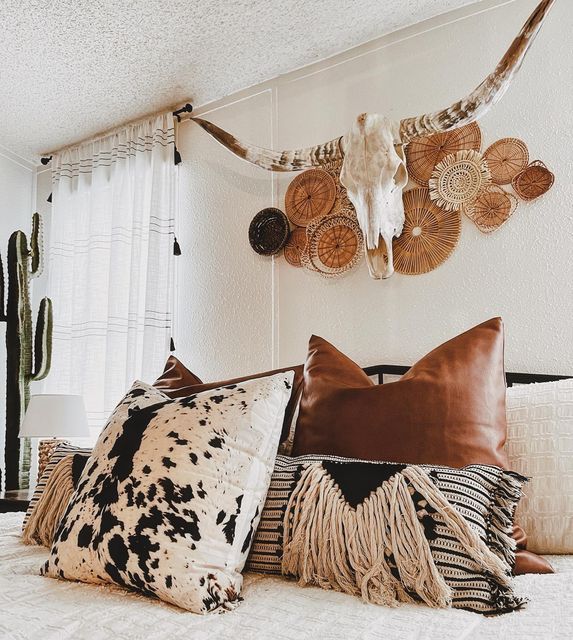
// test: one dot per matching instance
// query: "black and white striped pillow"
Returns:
(486, 497)
(60, 452)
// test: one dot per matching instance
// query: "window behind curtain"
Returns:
(111, 263)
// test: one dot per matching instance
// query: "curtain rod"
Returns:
(186, 108)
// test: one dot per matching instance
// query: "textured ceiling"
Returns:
(72, 68)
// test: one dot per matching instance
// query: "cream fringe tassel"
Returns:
(49, 509)
(329, 543)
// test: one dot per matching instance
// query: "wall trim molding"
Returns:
(21, 161)
(394, 37)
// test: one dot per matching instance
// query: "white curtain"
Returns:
(111, 263)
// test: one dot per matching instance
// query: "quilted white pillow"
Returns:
(171, 496)
(540, 446)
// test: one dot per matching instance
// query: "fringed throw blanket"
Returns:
(44, 518)
(389, 533)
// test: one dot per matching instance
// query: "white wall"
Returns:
(17, 180)
(225, 292)
(239, 312)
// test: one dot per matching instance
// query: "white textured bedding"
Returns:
(43, 608)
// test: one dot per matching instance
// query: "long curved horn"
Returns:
(489, 91)
(293, 160)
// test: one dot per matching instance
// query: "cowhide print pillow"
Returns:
(170, 498)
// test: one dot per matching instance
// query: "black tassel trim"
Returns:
(176, 248)
(49, 198)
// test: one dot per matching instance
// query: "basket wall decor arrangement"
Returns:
(429, 237)
(492, 208)
(423, 154)
(310, 195)
(458, 178)
(533, 181)
(505, 159)
(320, 231)
(268, 231)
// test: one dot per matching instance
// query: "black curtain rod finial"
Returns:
(46, 160)
(188, 108)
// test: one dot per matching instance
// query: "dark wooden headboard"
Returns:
(380, 370)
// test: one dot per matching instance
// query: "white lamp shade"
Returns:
(55, 416)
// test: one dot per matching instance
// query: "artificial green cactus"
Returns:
(28, 357)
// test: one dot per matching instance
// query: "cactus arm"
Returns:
(24, 313)
(36, 246)
(2, 293)
(43, 341)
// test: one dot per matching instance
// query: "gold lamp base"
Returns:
(45, 450)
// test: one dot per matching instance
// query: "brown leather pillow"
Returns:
(175, 376)
(448, 409)
(177, 381)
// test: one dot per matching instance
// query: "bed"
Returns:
(35, 607)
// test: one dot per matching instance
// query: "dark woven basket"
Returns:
(268, 231)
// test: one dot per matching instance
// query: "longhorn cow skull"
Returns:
(373, 162)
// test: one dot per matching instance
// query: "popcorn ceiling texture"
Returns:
(72, 68)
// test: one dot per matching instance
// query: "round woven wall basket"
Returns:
(423, 154)
(457, 180)
(505, 159)
(295, 247)
(533, 181)
(310, 195)
(342, 204)
(268, 231)
(334, 245)
(492, 208)
(429, 236)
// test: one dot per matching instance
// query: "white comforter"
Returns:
(273, 608)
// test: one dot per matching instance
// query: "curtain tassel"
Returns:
(176, 247)
(171, 345)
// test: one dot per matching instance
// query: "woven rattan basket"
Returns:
(534, 181)
(457, 180)
(505, 159)
(295, 247)
(310, 195)
(342, 204)
(429, 236)
(334, 245)
(423, 154)
(492, 208)
(268, 231)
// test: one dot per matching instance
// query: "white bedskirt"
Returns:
(35, 607)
